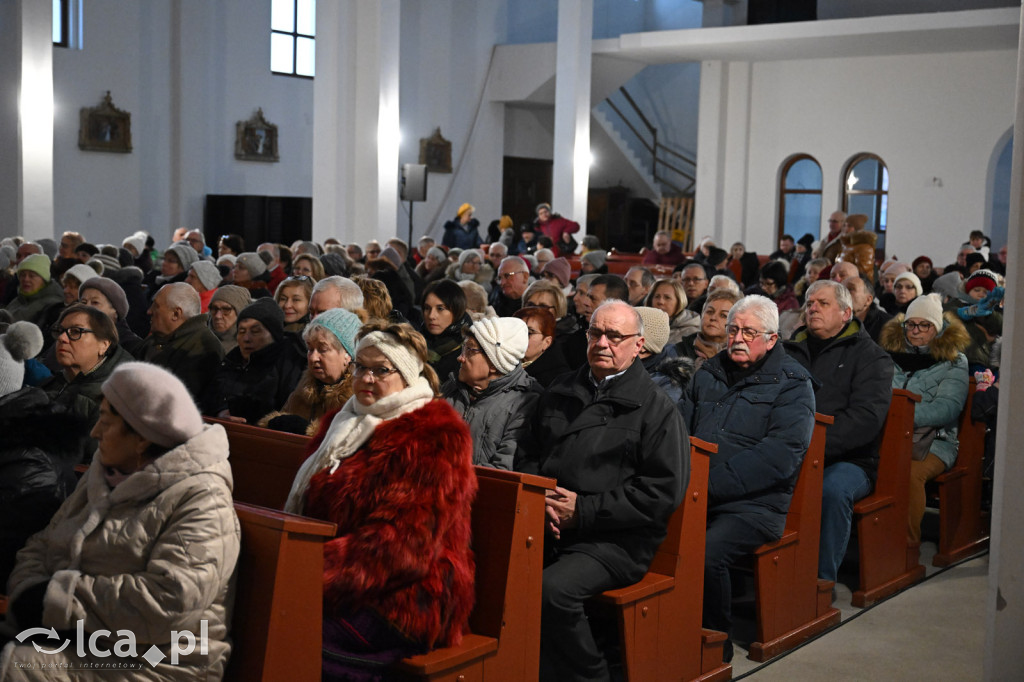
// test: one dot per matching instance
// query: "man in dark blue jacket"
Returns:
(619, 451)
(757, 404)
(854, 379)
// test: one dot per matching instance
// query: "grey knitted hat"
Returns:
(207, 273)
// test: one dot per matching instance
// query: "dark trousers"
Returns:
(567, 649)
(729, 537)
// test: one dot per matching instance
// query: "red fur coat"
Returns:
(402, 505)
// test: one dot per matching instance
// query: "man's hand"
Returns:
(566, 237)
(560, 505)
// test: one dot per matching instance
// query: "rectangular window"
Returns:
(293, 37)
(61, 22)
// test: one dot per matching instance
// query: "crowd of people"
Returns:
(514, 349)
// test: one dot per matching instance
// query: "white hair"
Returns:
(497, 248)
(761, 307)
(349, 292)
(723, 282)
(841, 293)
(619, 302)
(182, 295)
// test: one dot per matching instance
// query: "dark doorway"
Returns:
(526, 183)
(257, 219)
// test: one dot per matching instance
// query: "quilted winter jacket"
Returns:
(152, 555)
(942, 385)
(499, 418)
(762, 425)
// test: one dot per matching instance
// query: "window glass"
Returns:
(293, 37)
(866, 185)
(805, 173)
(282, 50)
(282, 16)
(306, 24)
(305, 57)
(800, 197)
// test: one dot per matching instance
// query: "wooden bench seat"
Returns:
(792, 603)
(659, 617)
(508, 543)
(963, 529)
(276, 624)
(887, 564)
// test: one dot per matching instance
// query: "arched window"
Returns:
(866, 190)
(800, 197)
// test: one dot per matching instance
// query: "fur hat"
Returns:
(81, 272)
(465, 208)
(560, 268)
(208, 274)
(268, 313)
(912, 278)
(857, 220)
(37, 263)
(656, 328)
(185, 253)
(154, 402)
(982, 278)
(503, 340)
(596, 258)
(343, 324)
(112, 290)
(22, 341)
(927, 308)
(235, 296)
(251, 262)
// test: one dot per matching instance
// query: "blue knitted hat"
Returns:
(343, 324)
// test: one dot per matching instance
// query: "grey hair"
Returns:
(182, 295)
(515, 259)
(723, 282)
(619, 302)
(273, 248)
(646, 278)
(202, 238)
(585, 280)
(350, 293)
(761, 307)
(841, 293)
(501, 248)
(661, 233)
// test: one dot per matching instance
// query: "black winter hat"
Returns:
(268, 313)
(776, 272)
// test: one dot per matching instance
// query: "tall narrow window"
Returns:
(866, 190)
(293, 37)
(800, 197)
(61, 23)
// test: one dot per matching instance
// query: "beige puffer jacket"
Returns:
(155, 554)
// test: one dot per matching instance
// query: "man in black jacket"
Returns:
(855, 377)
(619, 451)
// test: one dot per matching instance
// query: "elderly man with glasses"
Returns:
(513, 278)
(757, 404)
(616, 444)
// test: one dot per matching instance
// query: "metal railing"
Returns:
(684, 167)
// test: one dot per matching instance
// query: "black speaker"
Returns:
(414, 182)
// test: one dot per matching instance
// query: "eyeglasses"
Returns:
(221, 310)
(534, 332)
(694, 280)
(510, 275)
(469, 350)
(917, 326)
(378, 373)
(297, 278)
(74, 333)
(748, 333)
(541, 305)
(614, 338)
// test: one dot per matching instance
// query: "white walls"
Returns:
(928, 116)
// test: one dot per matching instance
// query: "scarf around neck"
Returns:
(350, 429)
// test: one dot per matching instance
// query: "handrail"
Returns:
(656, 149)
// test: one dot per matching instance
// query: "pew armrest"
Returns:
(788, 538)
(951, 475)
(650, 585)
(471, 648)
(872, 504)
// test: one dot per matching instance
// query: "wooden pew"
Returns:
(276, 623)
(887, 564)
(792, 603)
(508, 542)
(963, 530)
(659, 617)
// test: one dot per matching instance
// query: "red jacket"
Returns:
(277, 275)
(555, 228)
(402, 505)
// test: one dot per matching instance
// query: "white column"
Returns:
(572, 109)
(711, 136)
(35, 116)
(355, 102)
(1005, 607)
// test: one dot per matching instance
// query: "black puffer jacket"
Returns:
(83, 394)
(623, 448)
(855, 386)
(257, 387)
(41, 445)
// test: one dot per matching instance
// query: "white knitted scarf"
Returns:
(350, 429)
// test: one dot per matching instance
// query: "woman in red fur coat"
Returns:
(394, 471)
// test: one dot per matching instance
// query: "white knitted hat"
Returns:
(656, 328)
(154, 402)
(407, 364)
(503, 340)
(912, 278)
(22, 341)
(927, 308)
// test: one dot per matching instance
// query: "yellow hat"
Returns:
(505, 222)
(465, 208)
